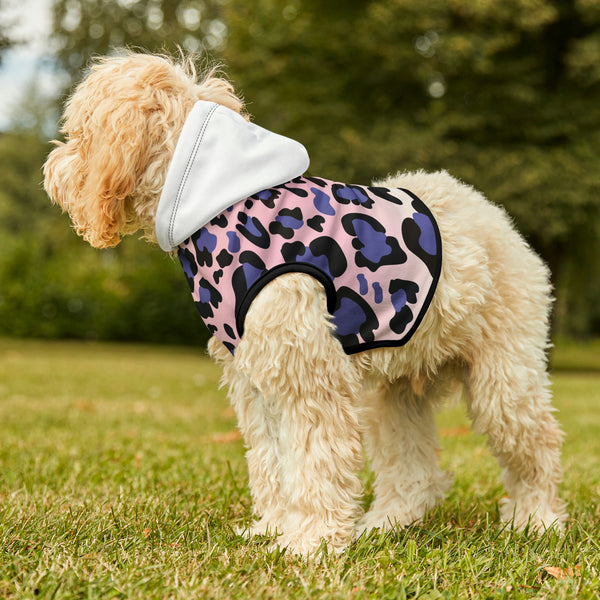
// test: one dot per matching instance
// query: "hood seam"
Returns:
(188, 168)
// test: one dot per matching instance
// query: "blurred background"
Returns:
(504, 94)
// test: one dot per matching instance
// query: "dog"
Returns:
(310, 390)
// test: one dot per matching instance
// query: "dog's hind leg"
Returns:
(508, 399)
(401, 443)
(303, 436)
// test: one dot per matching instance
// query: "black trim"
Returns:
(271, 274)
(436, 278)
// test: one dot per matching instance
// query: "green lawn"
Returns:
(121, 476)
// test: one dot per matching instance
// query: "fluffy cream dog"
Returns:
(304, 404)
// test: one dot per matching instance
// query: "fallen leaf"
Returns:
(559, 573)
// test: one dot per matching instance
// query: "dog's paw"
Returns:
(536, 516)
(409, 508)
(385, 521)
(260, 527)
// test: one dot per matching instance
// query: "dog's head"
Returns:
(121, 125)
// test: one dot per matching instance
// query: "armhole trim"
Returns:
(271, 274)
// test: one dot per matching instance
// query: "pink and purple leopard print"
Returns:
(377, 252)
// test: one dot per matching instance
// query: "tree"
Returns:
(505, 95)
(6, 39)
(52, 283)
(84, 28)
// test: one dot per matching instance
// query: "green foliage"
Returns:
(133, 292)
(504, 95)
(51, 283)
(84, 28)
(54, 285)
(5, 43)
(6, 39)
(121, 480)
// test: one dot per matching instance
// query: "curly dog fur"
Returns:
(304, 406)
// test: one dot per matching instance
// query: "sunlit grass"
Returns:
(121, 476)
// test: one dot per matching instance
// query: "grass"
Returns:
(569, 355)
(121, 476)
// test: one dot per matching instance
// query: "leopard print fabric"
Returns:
(377, 252)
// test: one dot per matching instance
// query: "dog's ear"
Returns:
(121, 125)
(95, 171)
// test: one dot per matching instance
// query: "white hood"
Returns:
(219, 160)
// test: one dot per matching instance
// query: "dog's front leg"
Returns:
(258, 421)
(295, 390)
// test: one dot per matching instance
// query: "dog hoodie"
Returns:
(240, 212)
